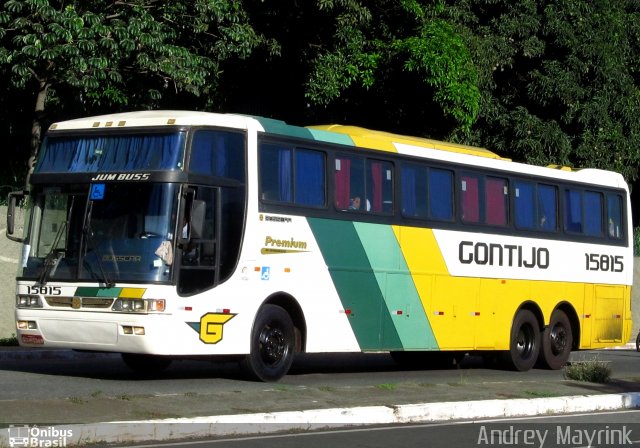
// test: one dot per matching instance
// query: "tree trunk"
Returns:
(36, 126)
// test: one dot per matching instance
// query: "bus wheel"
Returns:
(557, 340)
(525, 342)
(272, 345)
(146, 364)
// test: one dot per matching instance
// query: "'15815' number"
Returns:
(603, 262)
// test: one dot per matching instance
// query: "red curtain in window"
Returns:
(470, 200)
(343, 182)
(496, 203)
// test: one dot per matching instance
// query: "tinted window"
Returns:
(310, 183)
(614, 216)
(441, 194)
(593, 213)
(364, 185)
(470, 198)
(218, 153)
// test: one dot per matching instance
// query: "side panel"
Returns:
(375, 285)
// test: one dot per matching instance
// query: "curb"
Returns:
(269, 423)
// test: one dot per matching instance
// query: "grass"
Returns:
(386, 386)
(539, 394)
(592, 371)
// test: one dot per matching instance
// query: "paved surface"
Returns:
(296, 405)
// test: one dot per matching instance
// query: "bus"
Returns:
(170, 234)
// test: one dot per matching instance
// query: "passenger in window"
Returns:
(612, 229)
(354, 204)
(543, 222)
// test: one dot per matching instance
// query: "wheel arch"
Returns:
(290, 305)
(535, 309)
(574, 320)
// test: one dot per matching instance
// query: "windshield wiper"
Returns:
(53, 258)
(88, 232)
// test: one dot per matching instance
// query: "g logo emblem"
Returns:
(211, 327)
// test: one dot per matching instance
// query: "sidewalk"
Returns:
(288, 407)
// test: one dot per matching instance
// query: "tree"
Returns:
(375, 44)
(559, 79)
(118, 54)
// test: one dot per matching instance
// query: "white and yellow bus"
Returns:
(170, 234)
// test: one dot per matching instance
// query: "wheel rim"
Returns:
(525, 342)
(558, 339)
(273, 345)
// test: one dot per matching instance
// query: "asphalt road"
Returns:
(66, 387)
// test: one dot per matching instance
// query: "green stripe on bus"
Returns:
(331, 137)
(279, 127)
(87, 291)
(356, 284)
(403, 303)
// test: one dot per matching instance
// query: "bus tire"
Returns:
(272, 345)
(557, 340)
(524, 345)
(146, 364)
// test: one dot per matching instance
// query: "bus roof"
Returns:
(341, 134)
(386, 141)
(154, 118)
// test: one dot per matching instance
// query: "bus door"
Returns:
(199, 239)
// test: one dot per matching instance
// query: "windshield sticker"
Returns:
(97, 192)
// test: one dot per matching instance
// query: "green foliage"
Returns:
(592, 371)
(440, 54)
(369, 46)
(104, 54)
(540, 81)
(559, 80)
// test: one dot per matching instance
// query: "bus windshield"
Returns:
(105, 153)
(112, 232)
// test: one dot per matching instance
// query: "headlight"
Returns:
(28, 301)
(139, 305)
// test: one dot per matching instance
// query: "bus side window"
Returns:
(379, 186)
(276, 183)
(593, 208)
(496, 201)
(470, 198)
(524, 205)
(614, 216)
(349, 183)
(440, 194)
(414, 191)
(547, 208)
(573, 211)
(310, 184)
